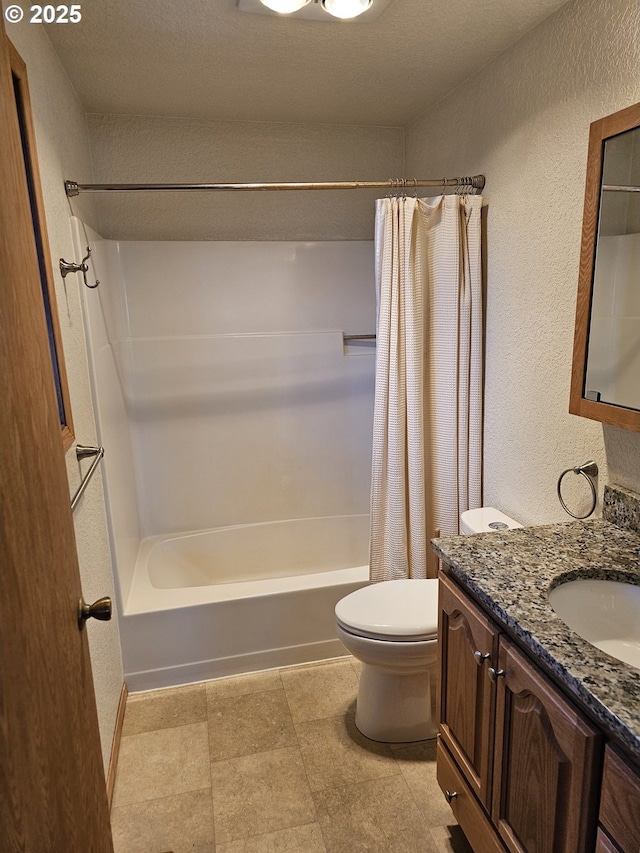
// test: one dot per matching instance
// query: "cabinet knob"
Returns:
(481, 658)
(450, 795)
(495, 674)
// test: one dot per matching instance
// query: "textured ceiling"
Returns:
(206, 59)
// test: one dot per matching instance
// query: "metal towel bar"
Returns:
(83, 452)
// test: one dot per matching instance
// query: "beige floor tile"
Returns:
(182, 824)
(417, 763)
(326, 690)
(162, 763)
(255, 722)
(335, 753)
(240, 685)
(378, 816)
(260, 793)
(298, 839)
(450, 839)
(162, 709)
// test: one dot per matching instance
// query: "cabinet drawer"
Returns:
(466, 809)
(620, 802)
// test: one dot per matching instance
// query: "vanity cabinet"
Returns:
(518, 763)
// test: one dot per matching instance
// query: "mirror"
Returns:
(605, 378)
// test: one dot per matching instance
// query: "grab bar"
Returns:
(358, 337)
(83, 452)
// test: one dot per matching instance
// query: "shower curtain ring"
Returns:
(415, 188)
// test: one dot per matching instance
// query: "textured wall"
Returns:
(62, 143)
(139, 149)
(523, 121)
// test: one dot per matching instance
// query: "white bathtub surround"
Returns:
(226, 398)
(426, 460)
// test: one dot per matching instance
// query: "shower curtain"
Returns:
(427, 435)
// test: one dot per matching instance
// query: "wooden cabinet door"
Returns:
(466, 637)
(620, 802)
(546, 759)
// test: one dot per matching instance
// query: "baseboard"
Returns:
(115, 745)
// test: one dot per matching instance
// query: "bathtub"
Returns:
(239, 598)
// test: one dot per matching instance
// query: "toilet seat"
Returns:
(397, 611)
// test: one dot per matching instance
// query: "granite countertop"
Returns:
(510, 573)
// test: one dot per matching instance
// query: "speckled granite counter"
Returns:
(510, 573)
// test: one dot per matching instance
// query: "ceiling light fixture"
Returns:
(343, 9)
(285, 7)
(346, 8)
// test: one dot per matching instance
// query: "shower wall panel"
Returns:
(109, 353)
(243, 404)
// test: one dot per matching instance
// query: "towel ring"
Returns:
(589, 471)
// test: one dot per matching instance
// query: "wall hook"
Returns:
(66, 268)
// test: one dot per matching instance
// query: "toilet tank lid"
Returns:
(486, 519)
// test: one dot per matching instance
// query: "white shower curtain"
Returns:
(427, 435)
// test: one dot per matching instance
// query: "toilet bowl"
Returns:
(392, 628)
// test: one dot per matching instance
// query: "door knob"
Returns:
(481, 658)
(100, 609)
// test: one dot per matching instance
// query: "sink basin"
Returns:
(605, 613)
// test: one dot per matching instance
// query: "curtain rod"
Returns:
(615, 188)
(403, 185)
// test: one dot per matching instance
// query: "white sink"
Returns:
(605, 613)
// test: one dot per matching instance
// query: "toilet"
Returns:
(392, 628)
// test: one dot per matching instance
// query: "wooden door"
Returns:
(468, 645)
(546, 758)
(51, 774)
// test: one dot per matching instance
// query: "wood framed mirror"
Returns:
(605, 376)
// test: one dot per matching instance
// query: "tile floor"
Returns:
(272, 762)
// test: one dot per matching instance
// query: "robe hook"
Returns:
(66, 267)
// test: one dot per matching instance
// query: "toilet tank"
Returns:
(484, 519)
